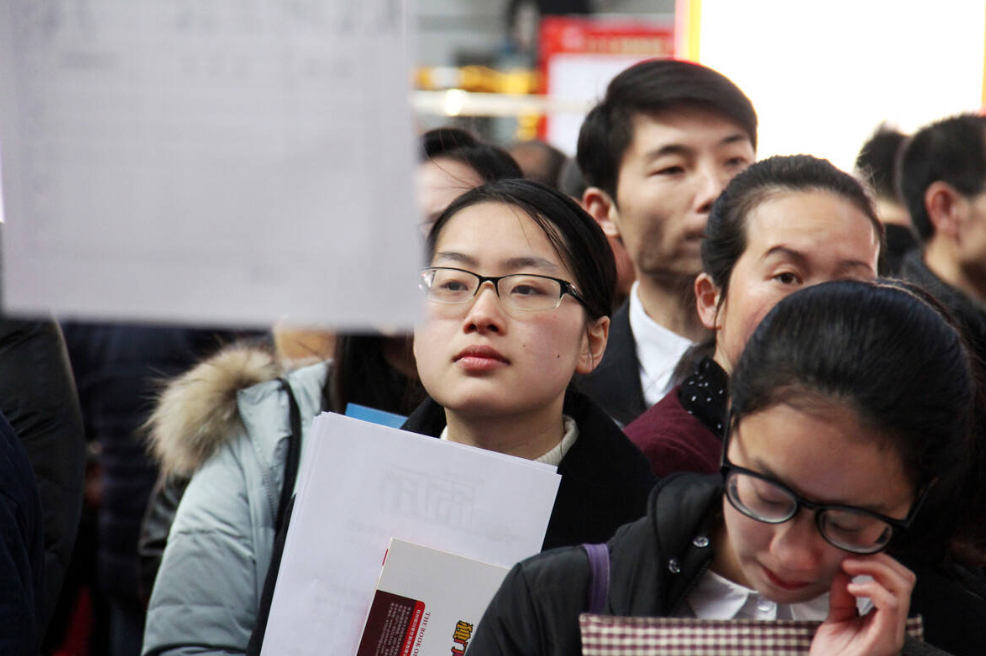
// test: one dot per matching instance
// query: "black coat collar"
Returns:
(968, 312)
(657, 560)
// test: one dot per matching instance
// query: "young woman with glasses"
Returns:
(848, 450)
(517, 301)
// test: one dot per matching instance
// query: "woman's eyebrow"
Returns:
(761, 467)
(529, 262)
(764, 469)
(453, 256)
(785, 251)
(510, 264)
(851, 265)
(801, 259)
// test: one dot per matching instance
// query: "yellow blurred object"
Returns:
(478, 78)
(527, 127)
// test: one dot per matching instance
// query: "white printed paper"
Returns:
(363, 484)
(208, 162)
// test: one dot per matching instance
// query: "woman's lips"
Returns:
(784, 584)
(480, 358)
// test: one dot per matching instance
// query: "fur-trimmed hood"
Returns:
(197, 411)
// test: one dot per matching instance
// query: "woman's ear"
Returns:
(593, 345)
(707, 301)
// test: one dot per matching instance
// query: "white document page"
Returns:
(208, 162)
(363, 484)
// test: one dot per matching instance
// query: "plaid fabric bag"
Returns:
(607, 635)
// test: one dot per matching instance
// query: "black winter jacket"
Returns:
(605, 479)
(118, 370)
(38, 397)
(968, 312)
(654, 563)
(21, 548)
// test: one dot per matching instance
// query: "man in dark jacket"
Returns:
(21, 548)
(943, 182)
(118, 370)
(38, 397)
(656, 153)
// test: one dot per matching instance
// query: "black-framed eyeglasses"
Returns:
(852, 529)
(520, 291)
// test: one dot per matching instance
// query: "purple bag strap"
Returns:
(599, 576)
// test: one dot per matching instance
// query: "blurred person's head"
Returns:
(877, 164)
(656, 152)
(782, 224)
(538, 160)
(452, 161)
(570, 180)
(523, 21)
(943, 183)
(949, 156)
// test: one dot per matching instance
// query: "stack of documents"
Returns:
(362, 484)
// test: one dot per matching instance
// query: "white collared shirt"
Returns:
(554, 456)
(717, 598)
(658, 350)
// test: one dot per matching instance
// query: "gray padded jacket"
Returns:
(207, 592)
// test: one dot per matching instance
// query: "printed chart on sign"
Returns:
(208, 162)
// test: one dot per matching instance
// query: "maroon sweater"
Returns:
(675, 440)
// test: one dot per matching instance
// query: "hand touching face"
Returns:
(880, 631)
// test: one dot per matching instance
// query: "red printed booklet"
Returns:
(427, 602)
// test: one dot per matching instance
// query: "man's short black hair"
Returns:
(877, 160)
(953, 151)
(646, 88)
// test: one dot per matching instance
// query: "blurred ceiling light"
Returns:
(455, 100)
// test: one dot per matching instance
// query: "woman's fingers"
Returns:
(842, 603)
(886, 571)
(888, 616)
(881, 631)
(877, 562)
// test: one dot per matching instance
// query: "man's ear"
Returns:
(707, 301)
(593, 345)
(946, 207)
(603, 209)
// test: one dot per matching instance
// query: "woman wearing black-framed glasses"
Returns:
(517, 298)
(848, 453)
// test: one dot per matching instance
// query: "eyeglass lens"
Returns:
(521, 291)
(766, 501)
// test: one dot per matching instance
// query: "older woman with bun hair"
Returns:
(783, 224)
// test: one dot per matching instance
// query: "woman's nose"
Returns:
(486, 312)
(797, 545)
